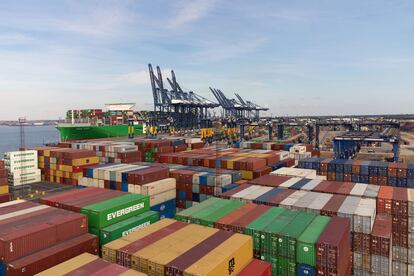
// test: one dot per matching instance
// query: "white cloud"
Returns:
(192, 10)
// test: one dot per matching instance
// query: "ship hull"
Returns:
(74, 132)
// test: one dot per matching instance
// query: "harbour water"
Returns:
(34, 136)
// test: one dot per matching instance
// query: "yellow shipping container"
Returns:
(109, 249)
(41, 159)
(76, 175)
(85, 161)
(53, 167)
(59, 173)
(4, 190)
(41, 165)
(156, 265)
(229, 258)
(69, 265)
(247, 175)
(77, 263)
(187, 235)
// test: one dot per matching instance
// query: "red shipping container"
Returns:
(321, 187)
(228, 194)
(332, 206)
(260, 172)
(53, 255)
(345, 188)
(269, 180)
(257, 268)
(5, 198)
(381, 236)
(384, 200)
(333, 248)
(400, 202)
(361, 243)
(392, 169)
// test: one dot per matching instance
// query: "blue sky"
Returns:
(295, 57)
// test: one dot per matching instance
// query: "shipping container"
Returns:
(333, 248)
(306, 245)
(115, 210)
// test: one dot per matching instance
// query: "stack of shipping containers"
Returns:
(64, 165)
(170, 247)
(358, 171)
(111, 214)
(287, 239)
(22, 167)
(35, 237)
(4, 183)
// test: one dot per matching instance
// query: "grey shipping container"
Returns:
(348, 208)
(399, 254)
(372, 191)
(399, 269)
(381, 265)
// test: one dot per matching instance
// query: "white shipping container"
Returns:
(162, 197)
(23, 212)
(359, 189)
(348, 207)
(410, 194)
(399, 269)
(311, 184)
(292, 199)
(380, 265)
(317, 205)
(364, 216)
(245, 192)
(372, 191)
(290, 182)
(283, 155)
(24, 173)
(26, 180)
(256, 193)
(19, 155)
(399, 254)
(305, 201)
(159, 186)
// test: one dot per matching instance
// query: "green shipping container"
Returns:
(198, 217)
(287, 238)
(186, 214)
(210, 219)
(256, 227)
(285, 267)
(123, 228)
(272, 231)
(114, 210)
(305, 247)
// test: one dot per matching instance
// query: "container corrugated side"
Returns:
(292, 199)
(192, 234)
(127, 226)
(348, 208)
(306, 245)
(317, 205)
(287, 238)
(227, 259)
(364, 216)
(115, 210)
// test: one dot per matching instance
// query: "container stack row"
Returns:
(196, 184)
(89, 264)
(110, 214)
(64, 165)
(171, 247)
(4, 184)
(397, 203)
(36, 237)
(292, 241)
(22, 167)
(371, 172)
(361, 212)
(111, 151)
(251, 163)
(149, 180)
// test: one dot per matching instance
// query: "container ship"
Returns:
(95, 123)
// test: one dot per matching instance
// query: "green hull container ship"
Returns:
(70, 132)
